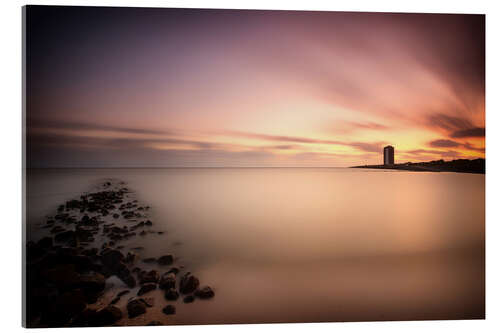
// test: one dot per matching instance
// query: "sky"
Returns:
(137, 87)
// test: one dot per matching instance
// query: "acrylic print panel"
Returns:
(194, 166)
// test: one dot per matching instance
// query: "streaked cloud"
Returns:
(225, 87)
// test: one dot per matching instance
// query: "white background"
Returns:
(10, 184)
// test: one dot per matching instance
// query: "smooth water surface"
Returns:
(306, 244)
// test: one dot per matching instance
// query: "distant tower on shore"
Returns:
(388, 155)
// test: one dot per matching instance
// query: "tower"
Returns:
(388, 155)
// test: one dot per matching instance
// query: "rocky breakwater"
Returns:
(84, 246)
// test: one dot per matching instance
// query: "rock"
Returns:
(65, 236)
(154, 323)
(111, 258)
(188, 283)
(108, 316)
(127, 278)
(145, 288)
(148, 223)
(171, 294)
(174, 270)
(116, 216)
(189, 299)
(135, 308)
(147, 277)
(167, 281)
(148, 301)
(92, 283)
(169, 309)
(149, 260)
(204, 293)
(166, 260)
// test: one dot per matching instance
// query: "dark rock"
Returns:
(145, 288)
(135, 308)
(173, 270)
(65, 236)
(169, 309)
(111, 258)
(108, 316)
(92, 283)
(166, 260)
(167, 281)
(147, 277)
(188, 283)
(189, 299)
(127, 278)
(154, 323)
(148, 301)
(149, 260)
(204, 293)
(148, 223)
(171, 294)
(116, 216)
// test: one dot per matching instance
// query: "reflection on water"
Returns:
(286, 245)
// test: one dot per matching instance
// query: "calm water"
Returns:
(304, 244)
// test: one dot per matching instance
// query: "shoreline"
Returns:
(476, 166)
(82, 272)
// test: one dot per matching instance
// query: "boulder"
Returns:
(169, 309)
(108, 316)
(166, 260)
(147, 277)
(167, 281)
(171, 294)
(188, 283)
(145, 288)
(92, 283)
(111, 258)
(204, 293)
(135, 308)
(188, 299)
(65, 236)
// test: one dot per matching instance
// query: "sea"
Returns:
(303, 244)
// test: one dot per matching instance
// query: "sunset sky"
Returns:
(110, 87)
